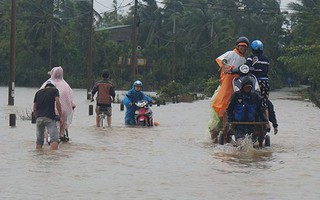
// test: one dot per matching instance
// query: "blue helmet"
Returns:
(257, 45)
(137, 83)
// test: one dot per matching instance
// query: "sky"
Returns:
(106, 5)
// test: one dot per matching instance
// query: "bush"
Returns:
(171, 90)
(210, 85)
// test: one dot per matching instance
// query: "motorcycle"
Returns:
(143, 115)
(244, 71)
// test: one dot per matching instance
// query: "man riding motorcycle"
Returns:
(134, 95)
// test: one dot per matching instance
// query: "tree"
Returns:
(302, 53)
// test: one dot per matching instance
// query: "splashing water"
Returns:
(245, 144)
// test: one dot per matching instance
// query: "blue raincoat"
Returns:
(133, 96)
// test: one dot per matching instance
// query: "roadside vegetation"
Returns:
(179, 41)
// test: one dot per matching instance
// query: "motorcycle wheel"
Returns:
(151, 122)
(141, 123)
(221, 138)
(267, 141)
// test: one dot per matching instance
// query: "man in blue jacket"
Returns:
(245, 106)
(134, 95)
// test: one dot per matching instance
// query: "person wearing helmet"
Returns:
(221, 96)
(245, 106)
(105, 97)
(134, 95)
(260, 63)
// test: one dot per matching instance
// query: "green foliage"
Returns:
(210, 85)
(185, 52)
(301, 52)
(171, 90)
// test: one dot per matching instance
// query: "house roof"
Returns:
(112, 27)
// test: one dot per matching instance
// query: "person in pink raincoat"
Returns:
(66, 99)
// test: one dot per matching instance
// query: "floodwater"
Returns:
(175, 160)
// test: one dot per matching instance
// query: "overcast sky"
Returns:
(106, 5)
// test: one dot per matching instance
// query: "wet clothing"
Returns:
(272, 115)
(133, 96)
(245, 107)
(66, 94)
(234, 59)
(260, 62)
(264, 90)
(51, 125)
(44, 101)
(105, 96)
(105, 91)
(104, 108)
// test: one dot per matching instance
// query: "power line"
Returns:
(234, 7)
(102, 5)
(110, 10)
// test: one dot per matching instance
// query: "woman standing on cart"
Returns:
(221, 96)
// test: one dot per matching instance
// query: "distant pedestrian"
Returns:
(105, 97)
(44, 104)
(289, 81)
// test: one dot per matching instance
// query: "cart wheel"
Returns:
(267, 142)
(221, 138)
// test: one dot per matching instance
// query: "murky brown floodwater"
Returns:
(175, 160)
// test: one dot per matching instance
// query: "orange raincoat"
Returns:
(234, 59)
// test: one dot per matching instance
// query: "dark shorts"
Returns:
(104, 108)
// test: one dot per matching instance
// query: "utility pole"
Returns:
(134, 41)
(174, 48)
(249, 19)
(12, 53)
(51, 35)
(90, 53)
(211, 46)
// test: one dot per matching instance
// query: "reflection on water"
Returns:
(175, 160)
(245, 155)
(257, 158)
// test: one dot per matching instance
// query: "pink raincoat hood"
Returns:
(65, 91)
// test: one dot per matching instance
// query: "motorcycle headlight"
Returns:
(244, 69)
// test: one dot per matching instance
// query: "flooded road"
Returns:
(175, 160)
